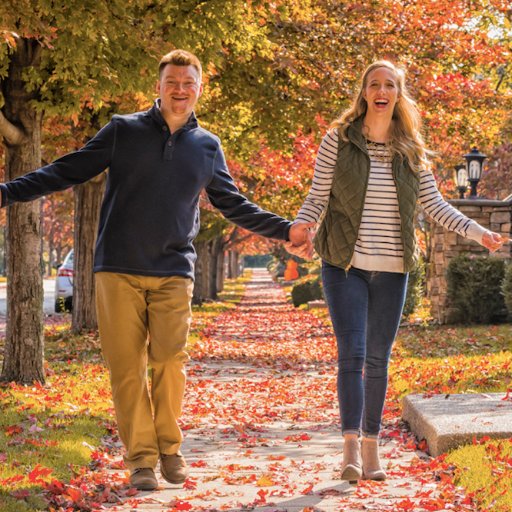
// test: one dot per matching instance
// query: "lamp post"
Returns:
(461, 178)
(474, 165)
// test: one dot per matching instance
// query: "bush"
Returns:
(415, 288)
(307, 289)
(506, 288)
(474, 289)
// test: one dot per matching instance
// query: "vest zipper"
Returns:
(399, 214)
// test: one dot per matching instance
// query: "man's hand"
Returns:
(301, 241)
(493, 241)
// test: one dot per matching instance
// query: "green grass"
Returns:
(462, 359)
(485, 471)
(442, 341)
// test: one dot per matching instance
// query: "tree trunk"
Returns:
(215, 247)
(88, 197)
(221, 274)
(51, 249)
(233, 266)
(23, 352)
(4, 251)
(201, 283)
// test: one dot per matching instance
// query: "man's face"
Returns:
(179, 88)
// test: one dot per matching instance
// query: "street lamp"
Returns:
(474, 165)
(461, 178)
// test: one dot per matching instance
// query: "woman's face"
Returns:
(381, 91)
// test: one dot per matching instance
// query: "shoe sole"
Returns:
(174, 482)
(145, 487)
(148, 486)
(376, 478)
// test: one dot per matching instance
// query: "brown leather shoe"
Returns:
(143, 479)
(173, 468)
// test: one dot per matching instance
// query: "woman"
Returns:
(371, 171)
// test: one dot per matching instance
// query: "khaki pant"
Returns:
(145, 320)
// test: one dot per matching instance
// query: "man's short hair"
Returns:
(180, 58)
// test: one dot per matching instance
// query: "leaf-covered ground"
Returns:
(261, 421)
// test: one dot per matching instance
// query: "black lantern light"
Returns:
(461, 178)
(474, 166)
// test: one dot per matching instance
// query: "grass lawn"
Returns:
(462, 359)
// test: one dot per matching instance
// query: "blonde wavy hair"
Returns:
(405, 137)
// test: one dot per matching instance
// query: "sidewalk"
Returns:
(261, 422)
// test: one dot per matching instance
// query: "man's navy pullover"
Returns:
(150, 215)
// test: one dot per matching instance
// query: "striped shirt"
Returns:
(379, 245)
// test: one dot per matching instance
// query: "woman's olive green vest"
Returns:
(337, 235)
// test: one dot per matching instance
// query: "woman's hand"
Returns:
(493, 241)
(301, 240)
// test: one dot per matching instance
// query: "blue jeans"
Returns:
(365, 309)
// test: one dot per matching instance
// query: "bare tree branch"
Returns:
(11, 133)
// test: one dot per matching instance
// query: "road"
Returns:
(49, 291)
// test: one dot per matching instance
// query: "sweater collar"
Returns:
(156, 114)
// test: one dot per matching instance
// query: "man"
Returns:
(159, 162)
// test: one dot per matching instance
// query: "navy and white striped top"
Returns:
(379, 245)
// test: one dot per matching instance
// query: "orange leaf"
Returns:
(265, 481)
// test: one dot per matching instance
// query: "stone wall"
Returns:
(493, 215)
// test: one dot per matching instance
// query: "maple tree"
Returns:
(50, 60)
(457, 60)
(57, 61)
(271, 69)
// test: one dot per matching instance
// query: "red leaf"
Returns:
(198, 464)
(38, 473)
(73, 494)
(307, 490)
(189, 484)
(181, 505)
(12, 430)
(406, 504)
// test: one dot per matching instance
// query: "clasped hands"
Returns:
(301, 240)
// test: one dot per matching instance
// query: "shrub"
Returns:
(506, 288)
(309, 288)
(474, 289)
(415, 288)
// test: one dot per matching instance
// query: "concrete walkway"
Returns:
(261, 422)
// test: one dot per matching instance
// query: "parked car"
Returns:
(64, 285)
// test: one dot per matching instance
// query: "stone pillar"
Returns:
(491, 214)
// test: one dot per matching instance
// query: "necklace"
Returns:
(378, 151)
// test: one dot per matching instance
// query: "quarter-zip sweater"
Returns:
(150, 214)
